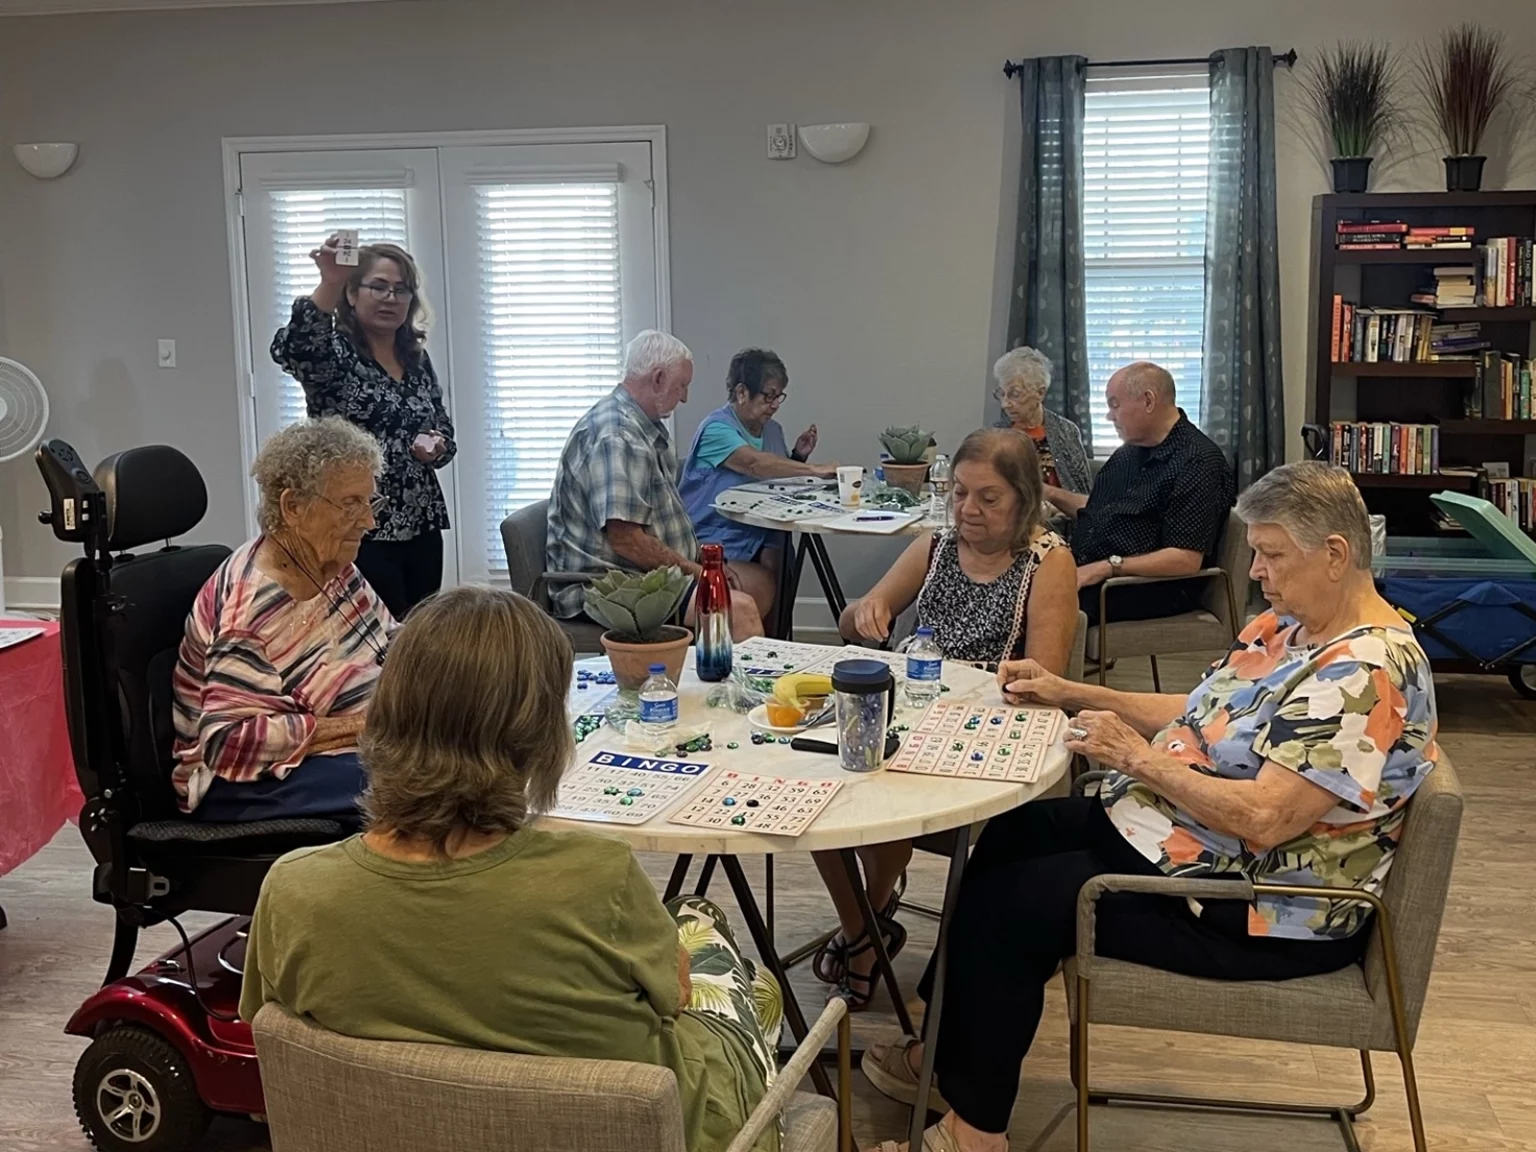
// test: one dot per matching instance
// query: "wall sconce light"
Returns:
(46, 161)
(834, 143)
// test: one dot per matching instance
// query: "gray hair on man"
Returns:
(297, 458)
(1029, 366)
(650, 350)
(1312, 501)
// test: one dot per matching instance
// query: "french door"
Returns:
(539, 263)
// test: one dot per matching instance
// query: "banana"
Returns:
(793, 687)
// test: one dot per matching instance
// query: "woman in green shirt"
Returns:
(451, 921)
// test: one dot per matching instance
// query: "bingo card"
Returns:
(980, 743)
(769, 804)
(616, 788)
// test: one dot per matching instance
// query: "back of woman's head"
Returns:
(753, 368)
(467, 730)
(411, 336)
(1012, 455)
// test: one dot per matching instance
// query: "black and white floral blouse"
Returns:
(341, 380)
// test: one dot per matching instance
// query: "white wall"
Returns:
(879, 281)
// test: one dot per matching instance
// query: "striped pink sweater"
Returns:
(257, 667)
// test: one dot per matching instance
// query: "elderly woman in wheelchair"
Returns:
(285, 642)
(1291, 763)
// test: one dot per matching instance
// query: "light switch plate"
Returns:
(166, 355)
(781, 141)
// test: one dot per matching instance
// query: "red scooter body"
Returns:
(159, 998)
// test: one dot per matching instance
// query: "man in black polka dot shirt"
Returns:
(1158, 506)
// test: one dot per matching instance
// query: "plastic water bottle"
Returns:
(712, 651)
(925, 667)
(658, 703)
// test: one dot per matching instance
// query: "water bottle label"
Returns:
(919, 669)
(662, 711)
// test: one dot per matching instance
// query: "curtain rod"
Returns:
(1011, 68)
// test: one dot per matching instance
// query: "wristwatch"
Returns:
(1115, 564)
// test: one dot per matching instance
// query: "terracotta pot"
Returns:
(908, 477)
(632, 662)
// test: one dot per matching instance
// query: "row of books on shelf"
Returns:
(1386, 448)
(1516, 498)
(1501, 390)
(1398, 335)
(1396, 234)
(1508, 273)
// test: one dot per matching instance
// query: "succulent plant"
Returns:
(906, 445)
(635, 606)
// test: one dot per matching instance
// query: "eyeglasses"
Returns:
(380, 290)
(356, 509)
(1013, 394)
(772, 399)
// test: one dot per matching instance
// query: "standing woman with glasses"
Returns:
(357, 345)
(1023, 377)
(738, 443)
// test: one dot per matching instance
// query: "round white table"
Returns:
(941, 813)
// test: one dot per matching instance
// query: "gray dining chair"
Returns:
(1374, 1006)
(523, 535)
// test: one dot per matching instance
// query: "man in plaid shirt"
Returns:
(615, 502)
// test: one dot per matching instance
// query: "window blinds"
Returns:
(1146, 146)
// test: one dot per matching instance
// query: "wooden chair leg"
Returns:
(1157, 683)
(1080, 1063)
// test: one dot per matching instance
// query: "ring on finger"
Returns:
(1077, 733)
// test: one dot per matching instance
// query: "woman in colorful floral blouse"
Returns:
(1291, 763)
(357, 345)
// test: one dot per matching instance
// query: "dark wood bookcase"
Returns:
(1414, 393)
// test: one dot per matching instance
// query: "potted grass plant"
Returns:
(635, 608)
(908, 466)
(1465, 77)
(1351, 90)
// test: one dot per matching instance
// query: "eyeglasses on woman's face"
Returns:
(356, 509)
(1014, 394)
(384, 290)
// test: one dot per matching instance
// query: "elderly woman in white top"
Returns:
(1023, 377)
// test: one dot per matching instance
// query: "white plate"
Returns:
(758, 718)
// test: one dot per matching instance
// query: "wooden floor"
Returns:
(1476, 1050)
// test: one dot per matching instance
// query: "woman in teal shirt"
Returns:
(451, 920)
(738, 443)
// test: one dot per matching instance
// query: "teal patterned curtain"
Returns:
(1244, 391)
(1047, 309)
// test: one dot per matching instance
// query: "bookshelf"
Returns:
(1414, 391)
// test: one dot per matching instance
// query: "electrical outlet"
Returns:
(781, 141)
(166, 356)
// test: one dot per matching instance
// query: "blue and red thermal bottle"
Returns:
(712, 659)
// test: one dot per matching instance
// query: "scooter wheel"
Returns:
(1523, 678)
(135, 1093)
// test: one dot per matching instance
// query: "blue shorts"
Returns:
(325, 786)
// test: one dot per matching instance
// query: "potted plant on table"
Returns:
(908, 466)
(635, 608)
(1465, 78)
(1350, 90)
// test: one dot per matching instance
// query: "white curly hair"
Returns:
(1029, 366)
(297, 458)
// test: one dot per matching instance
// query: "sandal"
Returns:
(895, 936)
(888, 1068)
(830, 963)
(935, 1139)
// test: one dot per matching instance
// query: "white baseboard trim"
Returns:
(813, 621)
(31, 593)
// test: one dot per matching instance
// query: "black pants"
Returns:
(403, 572)
(1141, 601)
(1016, 919)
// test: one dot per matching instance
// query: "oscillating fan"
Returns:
(23, 415)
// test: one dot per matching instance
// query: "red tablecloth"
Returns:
(38, 791)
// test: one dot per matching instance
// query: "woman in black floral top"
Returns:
(357, 344)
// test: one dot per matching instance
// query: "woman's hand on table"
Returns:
(805, 444)
(1106, 738)
(1027, 682)
(826, 471)
(872, 618)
